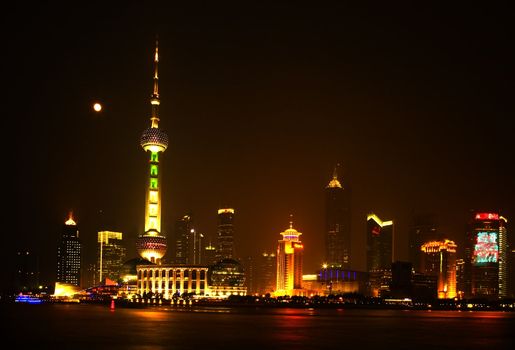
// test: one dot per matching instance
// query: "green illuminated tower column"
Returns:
(151, 245)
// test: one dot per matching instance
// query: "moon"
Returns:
(97, 107)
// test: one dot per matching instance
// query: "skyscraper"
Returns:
(439, 259)
(379, 243)
(182, 229)
(26, 278)
(188, 241)
(486, 256)
(225, 233)
(208, 256)
(337, 239)
(69, 254)
(151, 244)
(267, 270)
(379, 254)
(422, 230)
(111, 255)
(289, 263)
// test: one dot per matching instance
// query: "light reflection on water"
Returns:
(89, 326)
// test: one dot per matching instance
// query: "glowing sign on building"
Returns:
(487, 216)
(486, 249)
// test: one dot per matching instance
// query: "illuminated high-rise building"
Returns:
(111, 255)
(379, 254)
(289, 263)
(183, 242)
(225, 233)
(460, 278)
(422, 229)
(208, 256)
(267, 270)
(379, 243)
(337, 233)
(439, 259)
(151, 244)
(486, 256)
(69, 254)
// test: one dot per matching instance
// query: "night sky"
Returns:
(259, 102)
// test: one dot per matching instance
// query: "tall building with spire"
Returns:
(337, 230)
(151, 244)
(69, 254)
(289, 263)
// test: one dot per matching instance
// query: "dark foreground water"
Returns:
(79, 326)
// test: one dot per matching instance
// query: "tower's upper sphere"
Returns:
(154, 139)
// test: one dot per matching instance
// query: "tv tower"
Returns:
(151, 245)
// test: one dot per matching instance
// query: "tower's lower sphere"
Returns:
(152, 248)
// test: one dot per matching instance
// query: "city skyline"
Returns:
(258, 113)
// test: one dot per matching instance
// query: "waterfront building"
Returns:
(460, 278)
(486, 256)
(209, 255)
(69, 254)
(379, 254)
(226, 278)
(422, 229)
(401, 279)
(111, 255)
(151, 244)
(331, 280)
(225, 234)
(439, 259)
(338, 224)
(129, 277)
(266, 276)
(250, 274)
(167, 281)
(188, 242)
(289, 263)
(26, 278)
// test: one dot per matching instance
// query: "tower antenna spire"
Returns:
(154, 100)
(335, 171)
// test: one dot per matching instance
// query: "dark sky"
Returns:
(259, 102)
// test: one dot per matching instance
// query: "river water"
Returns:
(81, 326)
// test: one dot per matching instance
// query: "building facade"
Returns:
(26, 278)
(486, 255)
(379, 254)
(266, 274)
(289, 263)
(338, 224)
(69, 254)
(168, 281)
(422, 229)
(439, 259)
(151, 244)
(209, 255)
(111, 255)
(188, 242)
(225, 234)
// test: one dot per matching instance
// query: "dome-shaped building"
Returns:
(227, 277)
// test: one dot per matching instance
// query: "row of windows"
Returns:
(161, 274)
(178, 286)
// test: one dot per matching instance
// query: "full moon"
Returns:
(97, 107)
